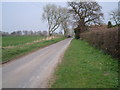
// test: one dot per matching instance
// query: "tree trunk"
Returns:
(65, 32)
(50, 33)
(80, 29)
(77, 32)
(82, 26)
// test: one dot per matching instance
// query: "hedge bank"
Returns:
(106, 39)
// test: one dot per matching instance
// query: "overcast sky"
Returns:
(27, 15)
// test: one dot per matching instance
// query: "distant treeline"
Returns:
(20, 33)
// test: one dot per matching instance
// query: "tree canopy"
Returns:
(85, 14)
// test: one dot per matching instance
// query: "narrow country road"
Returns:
(35, 69)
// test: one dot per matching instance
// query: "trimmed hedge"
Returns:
(107, 39)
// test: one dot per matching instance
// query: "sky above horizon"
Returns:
(28, 15)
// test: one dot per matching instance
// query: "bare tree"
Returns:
(65, 20)
(19, 33)
(115, 16)
(52, 15)
(85, 14)
(56, 16)
(4, 33)
(64, 26)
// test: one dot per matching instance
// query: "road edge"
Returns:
(52, 77)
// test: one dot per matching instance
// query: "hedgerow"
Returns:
(106, 39)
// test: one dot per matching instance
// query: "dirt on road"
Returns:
(35, 69)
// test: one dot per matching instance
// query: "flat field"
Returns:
(20, 48)
(18, 40)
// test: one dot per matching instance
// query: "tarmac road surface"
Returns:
(35, 69)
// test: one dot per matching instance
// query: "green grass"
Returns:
(83, 66)
(11, 53)
(18, 40)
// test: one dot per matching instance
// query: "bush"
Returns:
(109, 24)
(107, 40)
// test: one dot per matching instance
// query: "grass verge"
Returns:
(83, 66)
(12, 53)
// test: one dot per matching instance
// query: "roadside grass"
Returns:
(12, 53)
(84, 66)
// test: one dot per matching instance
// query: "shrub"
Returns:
(107, 39)
(109, 24)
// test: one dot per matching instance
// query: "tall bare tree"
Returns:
(52, 15)
(56, 16)
(85, 14)
(65, 20)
